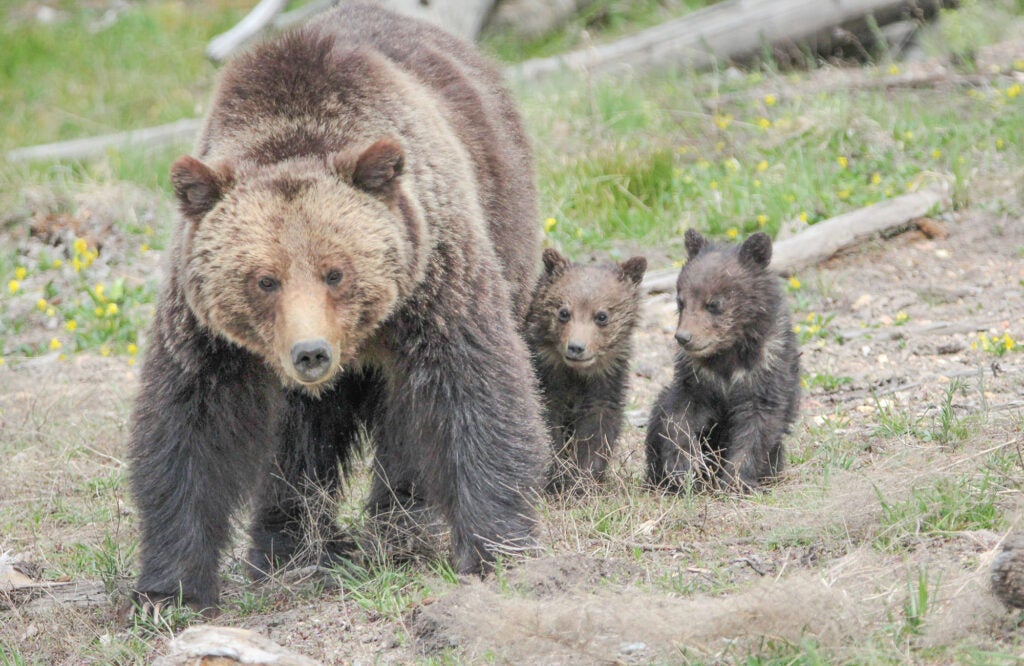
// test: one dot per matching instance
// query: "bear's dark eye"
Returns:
(601, 318)
(563, 314)
(333, 278)
(681, 304)
(714, 307)
(268, 284)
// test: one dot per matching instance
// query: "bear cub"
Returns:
(579, 331)
(736, 381)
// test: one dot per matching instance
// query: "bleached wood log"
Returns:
(820, 241)
(729, 30)
(76, 149)
(213, 644)
(226, 43)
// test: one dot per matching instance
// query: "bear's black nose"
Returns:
(311, 359)
(683, 337)
(575, 350)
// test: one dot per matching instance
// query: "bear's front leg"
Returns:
(753, 453)
(676, 443)
(597, 430)
(201, 436)
(468, 412)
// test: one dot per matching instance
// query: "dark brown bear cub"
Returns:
(579, 331)
(356, 251)
(736, 383)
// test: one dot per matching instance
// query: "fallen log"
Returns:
(22, 588)
(224, 44)
(209, 644)
(77, 149)
(734, 30)
(824, 239)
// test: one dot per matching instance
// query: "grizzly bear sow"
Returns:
(358, 240)
(579, 330)
(736, 383)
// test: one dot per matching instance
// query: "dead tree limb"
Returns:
(224, 44)
(824, 239)
(730, 30)
(77, 149)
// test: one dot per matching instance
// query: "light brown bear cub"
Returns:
(356, 250)
(579, 330)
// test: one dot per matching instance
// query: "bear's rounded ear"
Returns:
(378, 166)
(197, 186)
(757, 250)
(633, 269)
(554, 263)
(694, 243)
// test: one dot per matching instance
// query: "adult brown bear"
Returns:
(357, 244)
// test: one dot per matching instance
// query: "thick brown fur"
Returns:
(579, 330)
(358, 241)
(736, 384)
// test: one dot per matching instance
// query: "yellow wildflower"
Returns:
(794, 283)
(57, 263)
(770, 100)
(131, 361)
(579, 232)
(936, 154)
(682, 150)
(876, 178)
(98, 290)
(1013, 91)
(713, 184)
(98, 311)
(762, 220)
(77, 263)
(722, 120)
(14, 286)
(20, 272)
(902, 317)
(104, 350)
(762, 166)
(842, 161)
(732, 164)
(80, 246)
(50, 311)
(1008, 342)
(55, 344)
(71, 325)
(809, 318)
(2, 361)
(41, 305)
(549, 224)
(1018, 65)
(803, 216)
(797, 328)
(843, 194)
(111, 309)
(144, 248)
(764, 123)
(893, 69)
(732, 232)
(757, 182)
(132, 349)
(999, 144)
(908, 135)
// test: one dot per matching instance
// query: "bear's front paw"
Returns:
(163, 610)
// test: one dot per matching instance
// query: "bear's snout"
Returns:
(575, 350)
(311, 359)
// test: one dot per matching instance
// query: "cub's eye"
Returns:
(601, 318)
(268, 283)
(333, 278)
(681, 304)
(714, 307)
(563, 314)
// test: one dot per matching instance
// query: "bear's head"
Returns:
(584, 314)
(298, 261)
(726, 296)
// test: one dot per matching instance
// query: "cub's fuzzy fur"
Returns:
(736, 384)
(357, 247)
(579, 330)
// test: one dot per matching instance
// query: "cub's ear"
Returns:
(197, 186)
(757, 250)
(554, 263)
(694, 243)
(378, 166)
(633, 269)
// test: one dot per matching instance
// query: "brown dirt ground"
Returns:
(626, 576)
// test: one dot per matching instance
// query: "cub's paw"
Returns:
(164, 611)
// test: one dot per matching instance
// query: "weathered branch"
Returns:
(77, 149)
(824, 239)
(730, 30)
(224, 44)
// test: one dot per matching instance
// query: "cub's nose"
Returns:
(311, 358)
(683, 337)
(575, 350)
